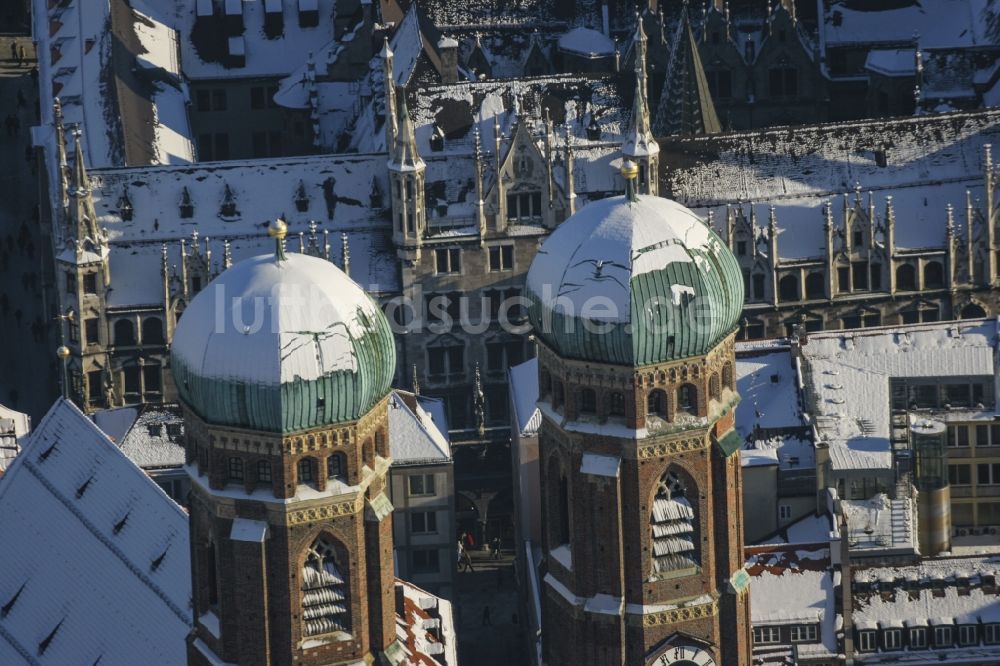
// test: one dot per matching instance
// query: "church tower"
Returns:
(283, 367)
(635, 303)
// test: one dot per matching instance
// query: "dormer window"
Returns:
(524, 205)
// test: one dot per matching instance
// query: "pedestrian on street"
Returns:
(13, 51)
(466, 561)
(461, 549)
(22, 56)
(487, 622)
(496, 548)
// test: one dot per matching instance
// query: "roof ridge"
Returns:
(21, 650)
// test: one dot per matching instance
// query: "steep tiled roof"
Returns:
(96, 557)
(414, 436)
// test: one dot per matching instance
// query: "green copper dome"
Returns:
(282, 346)
(634, 282)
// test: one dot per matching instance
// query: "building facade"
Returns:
(422, 491)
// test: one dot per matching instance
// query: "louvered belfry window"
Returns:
(324, 592)
(673, 527)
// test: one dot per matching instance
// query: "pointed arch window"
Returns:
(324, 591)
(672, 525)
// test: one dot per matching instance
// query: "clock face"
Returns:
(684, 656)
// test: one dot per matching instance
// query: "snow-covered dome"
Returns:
(634, 280)
(282, 345)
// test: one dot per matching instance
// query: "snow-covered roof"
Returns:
(203, 47)
(806, 167)
(573, 101)
(881, 524)
(789, 586)
(588, 43)
(269, 322)
(920, 212)
(892, 62)
(927, 593)
(938, 24)
(108, 578)
(524, 393)
(848, 375)
(128, 100)
(768, 388)
(154, 437)
(633, 280)
(335, 192)
(593, 257)
(425, 627)
(415, 436)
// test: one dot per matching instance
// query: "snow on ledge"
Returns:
(600, 465)
(563, 555)
(253, 531)
(210, 621)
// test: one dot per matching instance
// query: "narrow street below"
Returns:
(493, 640)
(28, 370)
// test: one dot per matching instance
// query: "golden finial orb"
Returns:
(278, 229)
(630, 170)
(63, 352)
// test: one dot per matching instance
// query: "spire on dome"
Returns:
(685, 103)
(404, 153)
(278, 230)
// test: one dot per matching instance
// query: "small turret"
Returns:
(406, 171)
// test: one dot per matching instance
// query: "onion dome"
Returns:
(634, 280)
(282, 344)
